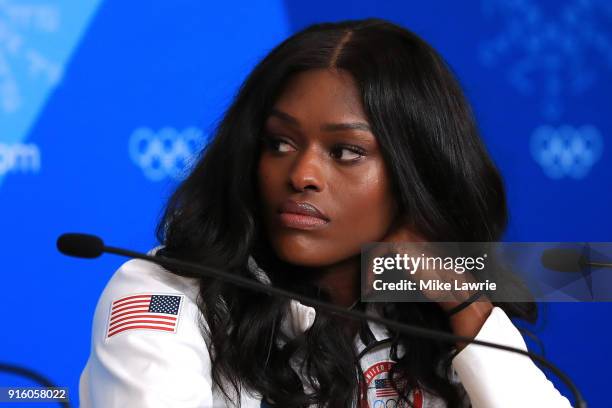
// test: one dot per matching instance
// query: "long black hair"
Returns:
(441, 175)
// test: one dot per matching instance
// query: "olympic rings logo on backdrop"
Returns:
(566, 151)
(166, 153)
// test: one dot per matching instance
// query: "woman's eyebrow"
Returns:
(328, 127)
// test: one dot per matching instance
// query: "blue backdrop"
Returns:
(84, 85)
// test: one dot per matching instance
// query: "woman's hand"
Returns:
(466, 322)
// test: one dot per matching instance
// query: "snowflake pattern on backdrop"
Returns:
(557, 55)
(17, 22)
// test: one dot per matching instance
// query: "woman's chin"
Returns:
(302, 255)
(310, 256)
(303, 259)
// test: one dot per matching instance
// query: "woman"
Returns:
(346, 133)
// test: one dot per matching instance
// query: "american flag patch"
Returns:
(384, 388)
(144, 311)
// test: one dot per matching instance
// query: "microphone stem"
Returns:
(600, 264)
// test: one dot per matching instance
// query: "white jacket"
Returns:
(148, 351)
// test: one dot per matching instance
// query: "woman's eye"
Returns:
(343, 153)
(348, 153)
(277, 144)
(283, 146)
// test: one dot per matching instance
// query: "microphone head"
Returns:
(80, 245)
(563, 260)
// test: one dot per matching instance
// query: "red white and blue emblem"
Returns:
(378, 392)
(146, 311)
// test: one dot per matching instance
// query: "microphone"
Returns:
(573, 261)
(569, 260)
(80, 245)
(90, 246)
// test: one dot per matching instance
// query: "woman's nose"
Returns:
(306, 171)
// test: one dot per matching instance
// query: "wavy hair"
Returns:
(441, 175)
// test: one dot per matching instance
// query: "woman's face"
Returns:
(318, 150)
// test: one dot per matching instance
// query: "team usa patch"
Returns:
(378, 391)
(144, 312)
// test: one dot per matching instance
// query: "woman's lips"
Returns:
(301, 221)
(301, 215)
